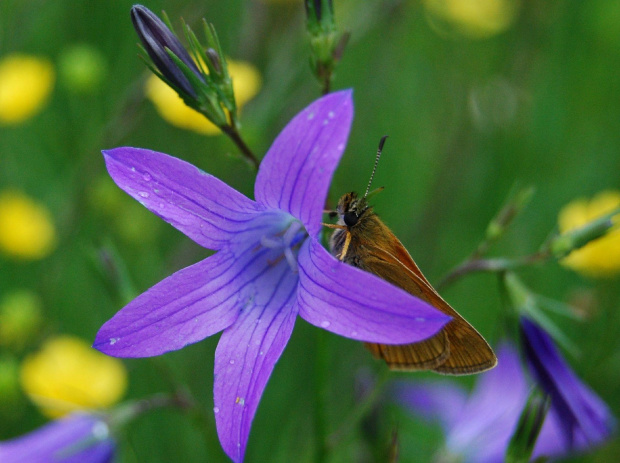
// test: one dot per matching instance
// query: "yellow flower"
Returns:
(26, 228)
(475, 18)
(246, 82)
(67, 374)
(601, 257)
(25, 85)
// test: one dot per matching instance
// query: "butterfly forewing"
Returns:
(458, 349)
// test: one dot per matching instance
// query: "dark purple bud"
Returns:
(156, 37)
(584, 417)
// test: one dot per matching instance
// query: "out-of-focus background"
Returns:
(476, 97)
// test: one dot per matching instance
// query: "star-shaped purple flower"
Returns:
(78, 438)
(585, 418)
(268, 269)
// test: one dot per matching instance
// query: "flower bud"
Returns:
(157, 39)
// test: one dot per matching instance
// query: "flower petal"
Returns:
(585, 417)
(246, 355)
(297, 170)
(356, 304)
(196, 203)
(77, 438)
(186, 307)
(433, 400)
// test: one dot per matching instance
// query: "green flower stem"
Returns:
(234, 135)
(494, 265)
(321, 388)
(366, 405)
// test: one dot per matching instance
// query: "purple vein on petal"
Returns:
(359, 305)
(246, 354)
(198, 204)
(297, 170)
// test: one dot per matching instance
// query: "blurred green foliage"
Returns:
(467, 118)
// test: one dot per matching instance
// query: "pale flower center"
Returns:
(288, 241)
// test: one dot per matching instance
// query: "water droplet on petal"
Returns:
(147, 177)
(144, 194)
(216, 410)
(331, 114)
(232, 362)
(113, 341)
(325, 324)
(310, 116)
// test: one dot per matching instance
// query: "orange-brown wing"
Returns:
(468, 350)
(424, 355)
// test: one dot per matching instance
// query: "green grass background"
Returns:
(550, 118)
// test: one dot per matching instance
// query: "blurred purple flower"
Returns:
(585, 419)
(78, 438)
(478, 427)
(268, 269)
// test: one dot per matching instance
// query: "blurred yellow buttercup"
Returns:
(25, 85)
(474, 18)
(26, 228)
(246, 83)
(67, 374)
(601, 257)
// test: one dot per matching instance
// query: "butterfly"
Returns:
(362, 240)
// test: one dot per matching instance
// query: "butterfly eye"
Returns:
(350, 218)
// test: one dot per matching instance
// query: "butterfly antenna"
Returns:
(374, 169)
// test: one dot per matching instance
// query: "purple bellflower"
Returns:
(584, 417)
(478, 427)
(269, 267)
(78, 438)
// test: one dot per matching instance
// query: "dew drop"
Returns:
(232, 362)
(144, 194)
(325, 324)
(216, 409)
(113, 341)
(147, 177)
(310, 116)
(241, 401)
(325, 121)
(162, 205)
(261, 353)
(133, 169)
(331, 114)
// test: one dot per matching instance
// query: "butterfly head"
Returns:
(351, 208)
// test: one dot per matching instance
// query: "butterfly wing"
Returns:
(468, 350)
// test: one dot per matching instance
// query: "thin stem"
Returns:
(500, 264)
(326, 83)
(321, 376)
(360, 412)
(234, 135)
